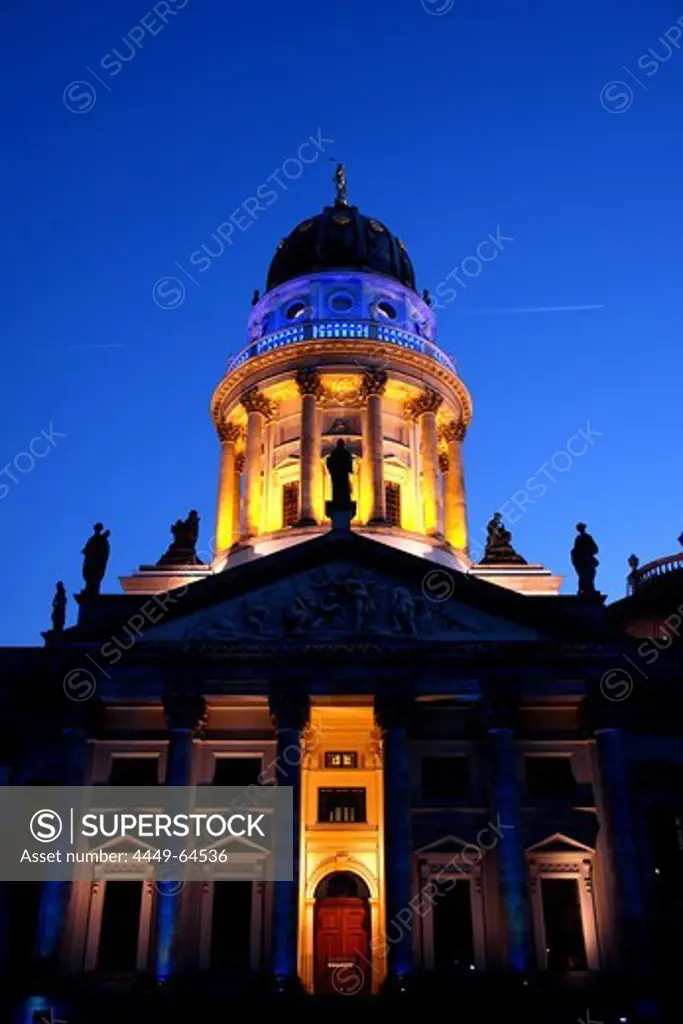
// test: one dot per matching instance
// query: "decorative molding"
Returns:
(358, 349)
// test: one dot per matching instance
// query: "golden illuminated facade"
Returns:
(459, 773)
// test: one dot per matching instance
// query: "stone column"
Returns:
(259, 408)
(510, 857)
(237, 505)
(455, 500)
(424, 410)
(289, 709)
(185, 714)
(308, 382)
(374, 386)
(225, 513)
(617, 820)
(392, 712)
(54, 900)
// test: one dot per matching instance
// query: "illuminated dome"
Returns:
(340, 238)
(341, 348)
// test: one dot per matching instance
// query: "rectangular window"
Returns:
(392, 497)
(118, 949)
(453, 932)
(236, 771)
(549, 778)
(290, 503)
(565, 947)
(341, 759)
(134, 771)
(445, 778)
(231, 926)
(341, 805)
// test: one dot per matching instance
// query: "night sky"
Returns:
(553, 126)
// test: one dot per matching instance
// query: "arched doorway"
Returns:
(341, 943)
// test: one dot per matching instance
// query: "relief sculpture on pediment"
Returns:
(348, 601)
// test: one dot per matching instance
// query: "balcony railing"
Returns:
(342, 329)
(660, 567)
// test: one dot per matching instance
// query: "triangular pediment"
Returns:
(559, 843)
(446, 844)
(339, 599)
(340, 586)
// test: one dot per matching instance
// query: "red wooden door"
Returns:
(342, 960)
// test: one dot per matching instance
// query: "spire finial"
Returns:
(340, 183)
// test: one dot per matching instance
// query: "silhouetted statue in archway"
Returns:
(340, 468)
(584, 561)
(95, 558)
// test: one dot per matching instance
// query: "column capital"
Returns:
(394, 710)
(428, 401)
(83, 716)
(185, 711)
(228, 432)
(374, 382)
(454, 431)
(597, 715)
(289, 707)
(500, 711)
(444, 462)
(239, 462)
(254, 400)
(308, 381)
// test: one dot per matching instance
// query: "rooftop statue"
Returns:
(183, 549)
(584, 561)
(499, 549)
(95, 558)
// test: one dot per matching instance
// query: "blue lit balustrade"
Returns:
(324, 330)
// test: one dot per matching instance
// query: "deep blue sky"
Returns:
(487, 116)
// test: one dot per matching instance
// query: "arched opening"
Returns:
(343, 959)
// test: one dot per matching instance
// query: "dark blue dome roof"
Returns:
(340, 238)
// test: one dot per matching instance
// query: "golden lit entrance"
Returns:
(341, 884)
(342, 955)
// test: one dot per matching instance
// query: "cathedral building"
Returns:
(487, 774)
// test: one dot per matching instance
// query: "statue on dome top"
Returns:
(341, 185)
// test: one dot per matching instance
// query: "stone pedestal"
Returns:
(340, 517)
